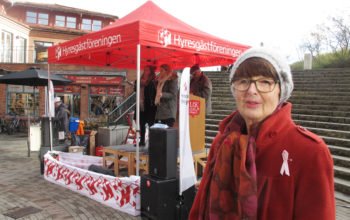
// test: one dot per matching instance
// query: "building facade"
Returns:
(26, 31)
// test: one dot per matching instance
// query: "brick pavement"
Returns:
(21, 185)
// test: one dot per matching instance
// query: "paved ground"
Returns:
(24, 190)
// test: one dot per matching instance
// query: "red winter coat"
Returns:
(308, 193)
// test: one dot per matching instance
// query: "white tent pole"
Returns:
(138, 110)
(49, 106)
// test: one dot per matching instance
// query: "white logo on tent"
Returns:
(58, 53)
(164, 37)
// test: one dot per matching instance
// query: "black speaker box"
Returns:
(163, 152)
(45, 132)
(160, 199)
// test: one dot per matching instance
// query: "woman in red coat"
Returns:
(262, 165)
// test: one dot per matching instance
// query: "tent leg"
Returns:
(138, 111)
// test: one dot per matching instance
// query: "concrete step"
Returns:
(320, 93)
(330, 133)
(213, 121)
(321, 86)
(325, 101)
(215, 117)
(222, 111)
(325, 125)
(342, 185)
(322, 107)
(321, 89)
(329, 113)
(336, 141)
(339, 151)
(228, 98)
(341, 161)
(225, 106)
(297, 95)
(342, 172)
(321, 118)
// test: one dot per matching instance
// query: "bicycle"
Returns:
(2, 125)
(13, 125)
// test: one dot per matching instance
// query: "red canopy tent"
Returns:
(162, 39)
(148, 35)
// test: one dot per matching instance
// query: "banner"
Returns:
(122, 194)
(51, 104)
(187, 173)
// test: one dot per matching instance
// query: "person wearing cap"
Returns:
(261, 164)
(200, 85)
(61, 116)
(166, 96)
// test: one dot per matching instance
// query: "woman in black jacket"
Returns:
(148, 108)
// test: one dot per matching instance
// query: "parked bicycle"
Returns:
(2, 125)
(13, 125)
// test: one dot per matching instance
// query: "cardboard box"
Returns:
(76, 149)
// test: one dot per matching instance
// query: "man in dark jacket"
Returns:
(201, 86)
(61, 118)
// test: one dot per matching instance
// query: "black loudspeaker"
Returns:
(163, 152)
(158, 198)
(45, 132)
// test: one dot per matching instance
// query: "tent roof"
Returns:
(163, 39)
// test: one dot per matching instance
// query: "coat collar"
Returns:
(273, 124)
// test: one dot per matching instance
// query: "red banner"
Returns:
(67, 89)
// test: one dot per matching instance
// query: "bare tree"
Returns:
(339, 36)
(335, 36)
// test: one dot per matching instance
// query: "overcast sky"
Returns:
(281, 24)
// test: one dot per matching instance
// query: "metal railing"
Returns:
(117, 115)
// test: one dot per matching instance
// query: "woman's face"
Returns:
(255, 106)
(162, 72)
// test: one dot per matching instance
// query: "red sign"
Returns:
(67, 89)
(96, 80)
(98, 90)
(194, 107)
(116, 91)
(59, 89)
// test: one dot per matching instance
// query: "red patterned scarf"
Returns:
(228, 189)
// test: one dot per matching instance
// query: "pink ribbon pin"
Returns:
(284, 167)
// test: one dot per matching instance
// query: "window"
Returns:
(43, 19)
(31, 17)
(96, 25)
(22, 100)
(71, 22)
(21, 50)
(89, 25)
(63, 21)
(60, 21)
(37, 18)
(41, 51)
(104, 99)
(6, 47)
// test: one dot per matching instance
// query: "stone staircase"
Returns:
(321, 103)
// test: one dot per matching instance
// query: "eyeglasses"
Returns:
(262, 85)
